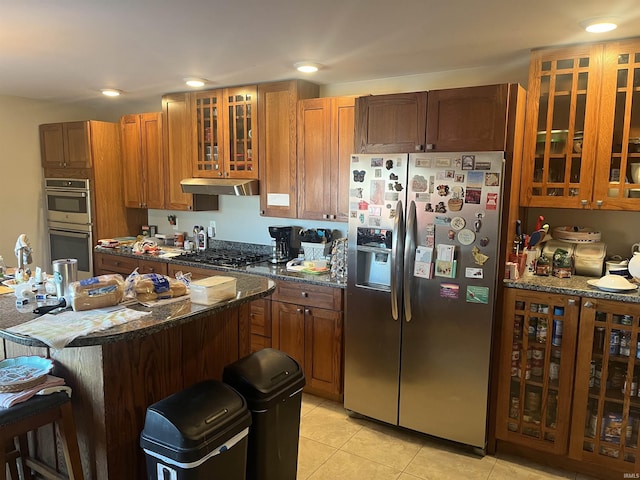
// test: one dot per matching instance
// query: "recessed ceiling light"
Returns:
(599, 25)
(307, 67)
(111, 92)
(195, 82)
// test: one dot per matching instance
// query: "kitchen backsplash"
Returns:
(238, 220)
(619, 229)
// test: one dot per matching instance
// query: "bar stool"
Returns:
(38, 411)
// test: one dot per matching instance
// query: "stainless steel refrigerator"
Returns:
(424, 232)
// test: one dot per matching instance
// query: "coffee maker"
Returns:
(281, 250)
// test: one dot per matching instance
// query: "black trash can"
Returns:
(271, 382)
(199, 433)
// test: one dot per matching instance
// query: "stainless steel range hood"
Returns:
(220, 186)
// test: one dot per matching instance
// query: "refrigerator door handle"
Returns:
(409, 257)
(397, 247)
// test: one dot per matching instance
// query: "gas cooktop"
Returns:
(223, 257)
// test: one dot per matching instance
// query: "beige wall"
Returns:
(21, 178)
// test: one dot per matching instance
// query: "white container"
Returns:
(315, 251)
(210, 290)
(589, 258)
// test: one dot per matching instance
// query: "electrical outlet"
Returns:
(212, 229)
(175, 224)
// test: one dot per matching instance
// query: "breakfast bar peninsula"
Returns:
(117, 373)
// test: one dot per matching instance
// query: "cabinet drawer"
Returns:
(261, 317)
(308, 295)
(114, 263)
(151, 266)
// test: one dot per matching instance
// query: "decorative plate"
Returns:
(19, 373)
(594, 283)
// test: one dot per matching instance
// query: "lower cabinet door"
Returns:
(323, 350)
(536, 372)
(287, 330)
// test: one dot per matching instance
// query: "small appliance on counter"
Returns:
(281, 245)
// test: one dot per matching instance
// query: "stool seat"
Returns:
(36, 412)
(35, 405)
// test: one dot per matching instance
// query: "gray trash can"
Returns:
(271, 382)
(199, 433)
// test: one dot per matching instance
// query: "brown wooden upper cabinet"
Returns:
(449, 120)
(393, 123)
(277, 145)
(225, 123)
(582, 133)
(471, 119)
(325, 143)
(65, 145)
(142, 158)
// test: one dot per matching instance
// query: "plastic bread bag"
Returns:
(96, 292)
(153, 286)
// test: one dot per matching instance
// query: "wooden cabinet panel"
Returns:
(142, 159)
(196, 273)
(177, 149)
(606, 409)
(537, 365)
(325, 143)
(467, 119)
(260, 324)
(106, 263)
(343, 132)
(152, 266)
(393, 123)
(65, 145)
(308, 294)
(277, 145)
(288, 330)
(323, 349)
(582, 129)
(307, 324)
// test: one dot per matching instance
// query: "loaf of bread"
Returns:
(96, 292)
(152, 286)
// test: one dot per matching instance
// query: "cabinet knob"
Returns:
(325, 216)
(583, 203)
(430, 146)
(304, 294)
(151, 269)
(306, 310)
(588, 304)
(598, 203)
(299, 310)
(571, 302)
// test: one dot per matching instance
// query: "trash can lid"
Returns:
(265, 376)
(189, 424)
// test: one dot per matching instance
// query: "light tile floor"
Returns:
(334, 446)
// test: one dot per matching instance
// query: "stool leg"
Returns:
(3, 462)
(70, 443)
(23, 444)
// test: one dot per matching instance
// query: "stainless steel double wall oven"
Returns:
(69, 221)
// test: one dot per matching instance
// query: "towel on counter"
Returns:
(51, 385)
(61, 329)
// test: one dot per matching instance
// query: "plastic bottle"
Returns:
(3, 267)
(202, 239)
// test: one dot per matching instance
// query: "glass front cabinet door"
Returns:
(560, 133)
(225, 121)
(617, 184)
(536, 369)
(607, 406)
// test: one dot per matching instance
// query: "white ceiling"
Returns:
(67, 50)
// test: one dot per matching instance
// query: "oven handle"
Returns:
(66, 233)
(66, 193)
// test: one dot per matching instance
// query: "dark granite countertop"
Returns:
(249, 287)
(574, 285)
(266, 269)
